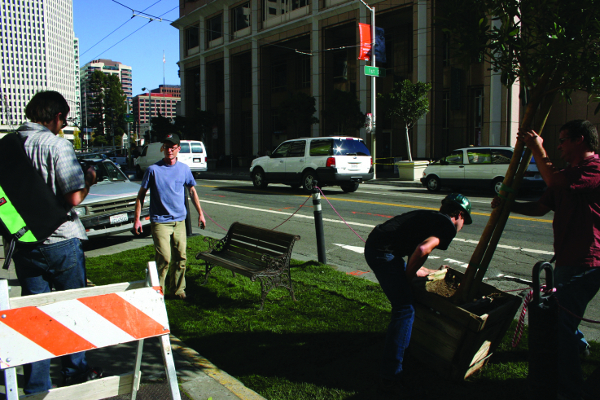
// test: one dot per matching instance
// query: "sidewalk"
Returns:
(198, 378)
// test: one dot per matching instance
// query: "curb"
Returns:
(220, 376)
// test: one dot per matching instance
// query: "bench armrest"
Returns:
(215, 245)
(274, 264)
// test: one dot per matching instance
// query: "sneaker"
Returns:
(83, 376)
(181, 296)
(586, 352)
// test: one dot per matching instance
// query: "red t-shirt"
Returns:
(577, 215)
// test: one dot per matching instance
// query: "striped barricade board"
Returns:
(39, 327)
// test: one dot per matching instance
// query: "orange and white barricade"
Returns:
(38, 327)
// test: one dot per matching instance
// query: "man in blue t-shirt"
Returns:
(413, 235)
(167, 180)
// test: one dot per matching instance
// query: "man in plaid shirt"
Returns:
(59, 262)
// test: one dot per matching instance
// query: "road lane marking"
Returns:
(336, 221)
(395, 205)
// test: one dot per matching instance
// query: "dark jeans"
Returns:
(60, 266)
(390, 272)
(575, 287)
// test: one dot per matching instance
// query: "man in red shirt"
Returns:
(574, 195)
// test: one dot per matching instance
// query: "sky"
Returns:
(137, 42)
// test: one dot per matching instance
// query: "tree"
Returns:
(96, 88)
(115, 106)
(407, 102)
(552, 48)
(298, 111)
(342, 109)
(76, 139)
(161, 127)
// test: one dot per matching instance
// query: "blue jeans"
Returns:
(390, 272)
(575, 287)
(60, 266)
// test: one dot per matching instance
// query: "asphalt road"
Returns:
(349, 217)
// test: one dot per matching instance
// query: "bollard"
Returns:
(319, 224)
(543, 332)
(188, 214)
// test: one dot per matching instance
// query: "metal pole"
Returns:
(188, 214)
(319, 224)
(373, 95)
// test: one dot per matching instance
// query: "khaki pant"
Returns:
(170, 254)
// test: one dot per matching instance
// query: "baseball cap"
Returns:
(172, 138)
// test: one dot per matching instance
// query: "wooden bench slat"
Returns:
(280, 246)
(236, 247)
(267, 234)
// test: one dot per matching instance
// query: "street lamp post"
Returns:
(149, 113)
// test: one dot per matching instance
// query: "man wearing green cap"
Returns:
(413, 234)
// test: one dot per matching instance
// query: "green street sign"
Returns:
(374, 71)
(129, 118)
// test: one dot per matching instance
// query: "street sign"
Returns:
(129, 118)
(374, 71)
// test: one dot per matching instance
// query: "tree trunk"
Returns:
(408, 143)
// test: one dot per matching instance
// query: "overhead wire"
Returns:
(151, 20)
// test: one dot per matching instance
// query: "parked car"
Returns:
(192, 153)
(332, 161)
(477, 167)
(110, 206)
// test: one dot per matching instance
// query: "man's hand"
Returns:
(531, 139)
(423, 272)
(137, 227)
(496, 201)
(90, 176)
(201, 221)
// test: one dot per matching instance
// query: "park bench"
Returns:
(254, 252)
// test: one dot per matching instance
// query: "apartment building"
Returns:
(37, 51)
(108, 67)
(242, 59)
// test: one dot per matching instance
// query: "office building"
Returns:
(242, 60)
(37, 50)
(162, 101)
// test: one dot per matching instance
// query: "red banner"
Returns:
(366, 42)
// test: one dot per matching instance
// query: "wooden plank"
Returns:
(261, 244)
(97, 389)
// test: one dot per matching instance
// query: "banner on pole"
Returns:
(366, 41)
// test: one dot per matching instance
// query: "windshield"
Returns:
(105, 171)
(338, 147)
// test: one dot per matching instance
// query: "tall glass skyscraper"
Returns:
(38, 51)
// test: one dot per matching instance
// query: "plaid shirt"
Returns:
(55, 160)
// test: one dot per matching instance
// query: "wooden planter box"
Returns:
(453, 341)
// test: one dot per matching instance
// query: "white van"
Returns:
(192, 153)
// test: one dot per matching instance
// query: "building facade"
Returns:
(163, 101)
(241, 60)
(37, 49)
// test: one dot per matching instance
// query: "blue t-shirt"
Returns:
(167, 194)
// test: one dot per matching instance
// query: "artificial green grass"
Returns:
(327, 345)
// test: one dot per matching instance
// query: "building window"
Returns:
(476, 116)
(192, 37)
(278, 77)
(303, 72)
(240, 17)
(214, 27)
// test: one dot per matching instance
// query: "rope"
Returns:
(302, 205)
(214, 222)
(521, 324)
(338, 214)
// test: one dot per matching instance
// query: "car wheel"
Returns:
(433, 184)
(138, 172)
(258, 179)
(497, 185)
(307, 180)
(349, 187)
